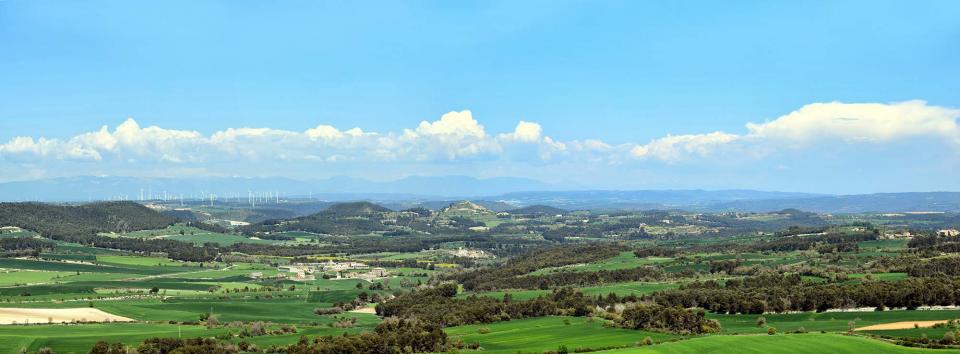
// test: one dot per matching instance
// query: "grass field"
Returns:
(790, 344)
(826, 321)
(8, 278)
(79, 338)
(194, 235)
(855, 277)
(547, 333)
(12, 263)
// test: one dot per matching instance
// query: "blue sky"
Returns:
(605, 84)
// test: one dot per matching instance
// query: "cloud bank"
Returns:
(458, 136)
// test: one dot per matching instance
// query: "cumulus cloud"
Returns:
(675, 147)
(452, 125)
(861, 122)
(850, 123)
(455, 135)
(525, 132)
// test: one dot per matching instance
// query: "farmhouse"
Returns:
(378, 272)
(9, 229)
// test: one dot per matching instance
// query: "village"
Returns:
(328, 270)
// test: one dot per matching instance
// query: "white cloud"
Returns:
(861, 122)
(25, 145)
(457, 135)
(852, 123)
(452, 125)
(676, 147)
(525, 132)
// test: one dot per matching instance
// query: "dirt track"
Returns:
(27, 315)
(900, 325)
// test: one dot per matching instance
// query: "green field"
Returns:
(193, 235)
(825, 321)
(8, 278)
(792, 344)
(547, 333)
(79, 338)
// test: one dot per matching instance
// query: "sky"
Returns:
(808, 96)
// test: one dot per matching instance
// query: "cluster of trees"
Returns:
(393, 335)
(339, 219)
(935, 267)
(656, 251)
(549, 280)
(438, 305)
(170, 345)
(932, 243)
(827, 243)
(24, 246)
(672, 319)
(754, 295)
(502, 276)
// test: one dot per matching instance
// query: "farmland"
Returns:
(495, 282)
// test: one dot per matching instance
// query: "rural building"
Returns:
(378, 272)
(9, 229)
(949, 233)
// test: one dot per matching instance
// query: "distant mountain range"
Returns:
(333, 189)
(740, 200)
(497, 194)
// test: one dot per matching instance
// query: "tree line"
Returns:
(754, 295)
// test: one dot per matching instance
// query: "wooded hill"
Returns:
(88, 219)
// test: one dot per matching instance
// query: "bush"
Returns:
(948, 338)
(761, 321)
(771, 331)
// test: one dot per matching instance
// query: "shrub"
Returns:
(948, 338)
(771, 331)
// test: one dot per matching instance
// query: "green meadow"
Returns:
(548, 333)
(788, 344)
